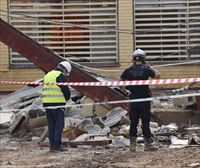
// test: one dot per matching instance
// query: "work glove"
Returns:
(71, 106)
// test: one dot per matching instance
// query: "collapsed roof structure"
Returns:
(39, 55)
(28, 97)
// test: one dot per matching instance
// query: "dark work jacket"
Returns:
(65, 90)
(138, 72)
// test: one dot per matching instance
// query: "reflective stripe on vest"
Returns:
(52, 93)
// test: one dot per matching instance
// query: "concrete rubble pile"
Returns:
(88, 125)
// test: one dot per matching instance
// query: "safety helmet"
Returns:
(66, 66)
(139, 55)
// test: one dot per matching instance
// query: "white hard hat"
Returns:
(66, 65)
(138, 52)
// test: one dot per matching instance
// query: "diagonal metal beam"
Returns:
(46, 60)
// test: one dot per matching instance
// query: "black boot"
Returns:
(148, 146)
(133, 144)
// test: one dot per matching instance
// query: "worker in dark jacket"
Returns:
(56, 95)
(140, 70)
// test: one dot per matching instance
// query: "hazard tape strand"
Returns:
(111, 83)
(116, 102)
(130, 100)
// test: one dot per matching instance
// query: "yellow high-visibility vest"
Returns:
(52, 93)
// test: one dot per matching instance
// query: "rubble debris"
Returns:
(120, 142)
(30, 117)
(98, 110)
(87, 123)
(17, 124)
(18, 99)
(77, 143)
(74, 132)
(178, 143)
(194, 165)
(184, 102)
(114, 116)
(94, 130)
(165, 132)
(43, 135)
(194, 140)
(83, 137)
(124, 130)
(190, 129)
(98, 121)
(91, 143)
(5, 116)
(26, 96)
(4, 128)
(183, 89)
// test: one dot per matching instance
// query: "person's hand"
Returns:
(72, 105)
(125, 90)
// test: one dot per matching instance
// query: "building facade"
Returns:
(103, 34)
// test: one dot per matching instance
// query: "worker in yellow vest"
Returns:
(53, 96)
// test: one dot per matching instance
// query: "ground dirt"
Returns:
(16, 153)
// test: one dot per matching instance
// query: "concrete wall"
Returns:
(126, 45)
(125, 40)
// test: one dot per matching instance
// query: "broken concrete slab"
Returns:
(17, 99)
(184, 102)
(96, 130)
(36, 122)
(5, 116)
(88, 111)
(114, 116)
(16, 124)
(26, 96)
(32, 116)
(178, 143)
(178, 116)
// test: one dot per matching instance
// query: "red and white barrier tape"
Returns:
(113, 83)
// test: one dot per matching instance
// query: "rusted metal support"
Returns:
(46, 60)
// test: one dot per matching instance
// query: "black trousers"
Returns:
(143, 110)
(55, 118)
